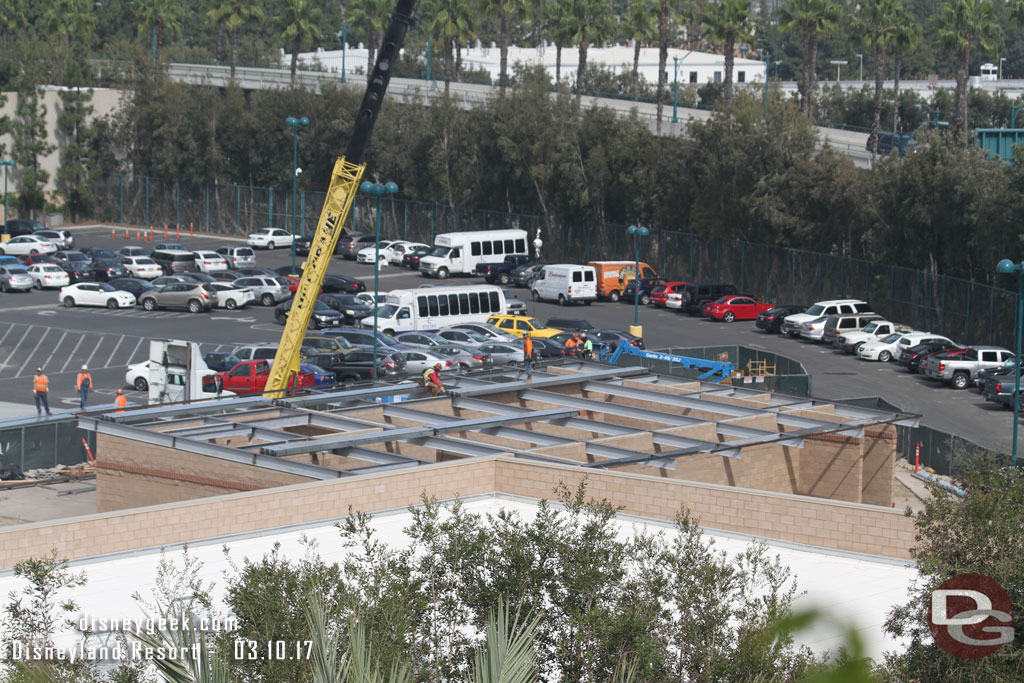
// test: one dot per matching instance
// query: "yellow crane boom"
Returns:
(345, 179)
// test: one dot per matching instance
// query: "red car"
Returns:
(729, 308)
(32, 259)
(660, 296)
(292, 282)
(250, 377)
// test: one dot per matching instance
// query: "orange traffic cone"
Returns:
(126, 236)
(178, 231)
(165, 231)
(189, 229)
(112, 236)
(138, 237)
(151, 233)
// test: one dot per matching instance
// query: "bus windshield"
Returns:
(440, 252)
(387, 311)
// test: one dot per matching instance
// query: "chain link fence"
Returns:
(966, 311)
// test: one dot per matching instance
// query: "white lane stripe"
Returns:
(71, 355)
(60, 341)
(219, 347)
(16, 347)
(111, 357)
(27, 360)
(98, 344)
(135, 350)
(9, 328)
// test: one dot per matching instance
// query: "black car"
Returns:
(545, 348)
(771, 320)
(323, 315)
(695, 295)
(131, 284)
(569, 324)
(221, 361)
(357, 365)
(105, 270)
(78, 271)
(287, 271)
(349, 306)
(225, 275)
(100, 254)
(200, 277)
(613, 337)
(647, 285)
(912, 358)
(16, 227)
(302, 244)
(340, 284)
(412, 259)
(256, 272)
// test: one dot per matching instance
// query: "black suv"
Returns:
(695, 295)
(17, 227)
(357, 365)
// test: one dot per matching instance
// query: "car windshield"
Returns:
(50, 269)
(446, 350)
(722, 300)
(104, 287)
(321, 307)
(475, 336)
(891, 338)
(815, 310)
(16, 271)
(98, 252)
(871, 327)
(387, 311)
(349, 300)
(440, 252)
(76, 256)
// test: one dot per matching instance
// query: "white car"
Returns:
(270, 238)
(95, 294)
(231, 296)
(365, 255)
(813, 329)
(210, 262)
(27, 244)
(367, 298)
(398, 249)
(142, 267)
(884, 349)
(137, 377)
(48, 275)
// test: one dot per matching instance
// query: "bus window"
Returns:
(484, 306)
(495, 303)
(453, 303)
(577, 276)
(487, 248)
(433, 305)
(521, 246)
(474, 303)
(422, 301)
(498, 251)
(442, 301)
(463, 304)
(510, 246)
(474, 248)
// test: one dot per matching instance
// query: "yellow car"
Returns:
(519, 324)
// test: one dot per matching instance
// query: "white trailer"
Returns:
(460, 252)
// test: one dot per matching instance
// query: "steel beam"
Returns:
(460, 446)
(330, 443)
(582, 404)
(528, 436)
(378, 457)
(195, 409)
(670, 399)
(553, 381)
(622, 456)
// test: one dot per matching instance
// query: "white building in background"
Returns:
(696, 68)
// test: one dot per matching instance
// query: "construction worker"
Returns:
(587, 346)
(41, 387)
(432, 380)
(83, 383)
(572, 344)
(528, 355)
(120, 402)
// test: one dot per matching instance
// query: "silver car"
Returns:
(267, 290)
(514, 304)
(132, 251)
(417, 361)
(466, 358)
(503, 353)
(465, 337)
(492, 332)
(421, 339)
(237, 257)
(62, 238)
(14, 278)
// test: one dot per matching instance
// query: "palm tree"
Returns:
(726, 23)
(299, 23)
(506, 11)
(71, 19)
(876, 23)
(906, 35)
(665, 17)
(373, 16)
(812, 20)
(159, 17)
(232, 16)
(962, 25)
(639, 26)
(593, 23)
(562, 27)
(12, 18)
(451, 21)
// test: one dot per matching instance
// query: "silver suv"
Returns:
(238, 257)
(267, 290)
(191, 295)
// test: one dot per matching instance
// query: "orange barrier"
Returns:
(88, 451)
(189, 229)
(151, 233)
(177, 229)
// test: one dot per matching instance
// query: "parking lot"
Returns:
(37, 331)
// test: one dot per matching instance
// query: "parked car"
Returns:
(270, 238)
(79, 271)
(659, 297)
(327, 344)
(33, 259)
(463, 337)
(71, 256)
(771, 320)
(418, 360)
(14, 279)
(514, 304)
(133, 286)
(8, 260)
(209, 261)
(236, 256)
(1000, 387)
(812, 330)
(961, 370)
(323, 315)
(492, 332)
(250, 377)
(465, 357)
(501, 273)
(912, 356)
(189, 295)
(411, 259)
(566, 283)
(358, 365)
(421, 339)
(549, 348)
(730, 308)
(613, 276)
(174, 261)
(62, 238)
(502, 353)
(399, 250)
(613, 337)
(518, 324)
(570, 324)
(256, 272)
(1001, 371)
(887, 348)
(838, 325)
(104, 271)
(341, 284)
(367, 253)
(792, 322)
(349, 306)
(169, 246)
(125, 252)
(94, 294)
(231, 296)
(268, 352)
(27, 244)
(225, 276)
(220, 361)
(850, 342)
(364, 338)
(100, 254)
(647, 286)
(349, 246)
(559, 340)
(692, 297)
(165, 280)
(141, 267)
(322, 378)
(889, 142)
(267, 290)
(48, 275)
(22, 226)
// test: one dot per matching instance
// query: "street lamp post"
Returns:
(1013, 114)
(1007, 266)
(1001, 60)
(378, 191)
(637, 232)
(839, 63)
(675, 89)
(7, 163)
(344, 46)
(428, 57)
(295, 123)
(860, 77)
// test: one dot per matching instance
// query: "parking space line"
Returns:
(38, 344)
(9, 328)
(53, 351)
(16, 347)
(135, 350)
(98, 344)
(73, 351)
(116, 346)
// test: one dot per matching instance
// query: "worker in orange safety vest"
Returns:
(572, 344)
(41, 388)
(120, 402)
(83, 383)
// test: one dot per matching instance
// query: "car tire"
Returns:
(587, 302)
(857, 348)
(613, 296)
(280, 319)
(195, 306)
(644, 300)
(2, 252)
(885, 356)
(36, 285)
(463, 367)
(112, 303)
(729, 317)
(231, 304)
(561, 300)
(347, 381)
(390, 332)
(504, 279)
(961, 380)
(535, 294)
(141, 384)
(34, 251)
(69, 302)
(270, 246)
(442, 273)
(267, 299)
(3, 286)
(149, 304)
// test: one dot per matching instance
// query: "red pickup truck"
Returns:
(250, 377)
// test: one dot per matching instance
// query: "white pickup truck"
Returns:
(851, 342)
(961, 370)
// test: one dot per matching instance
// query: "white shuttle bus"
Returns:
(460, 252)
(428, 309)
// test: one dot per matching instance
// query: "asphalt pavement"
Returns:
(35, 330)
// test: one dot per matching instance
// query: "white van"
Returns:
(460, 252)
(430, 308)
(566, 283)
(791, 323)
